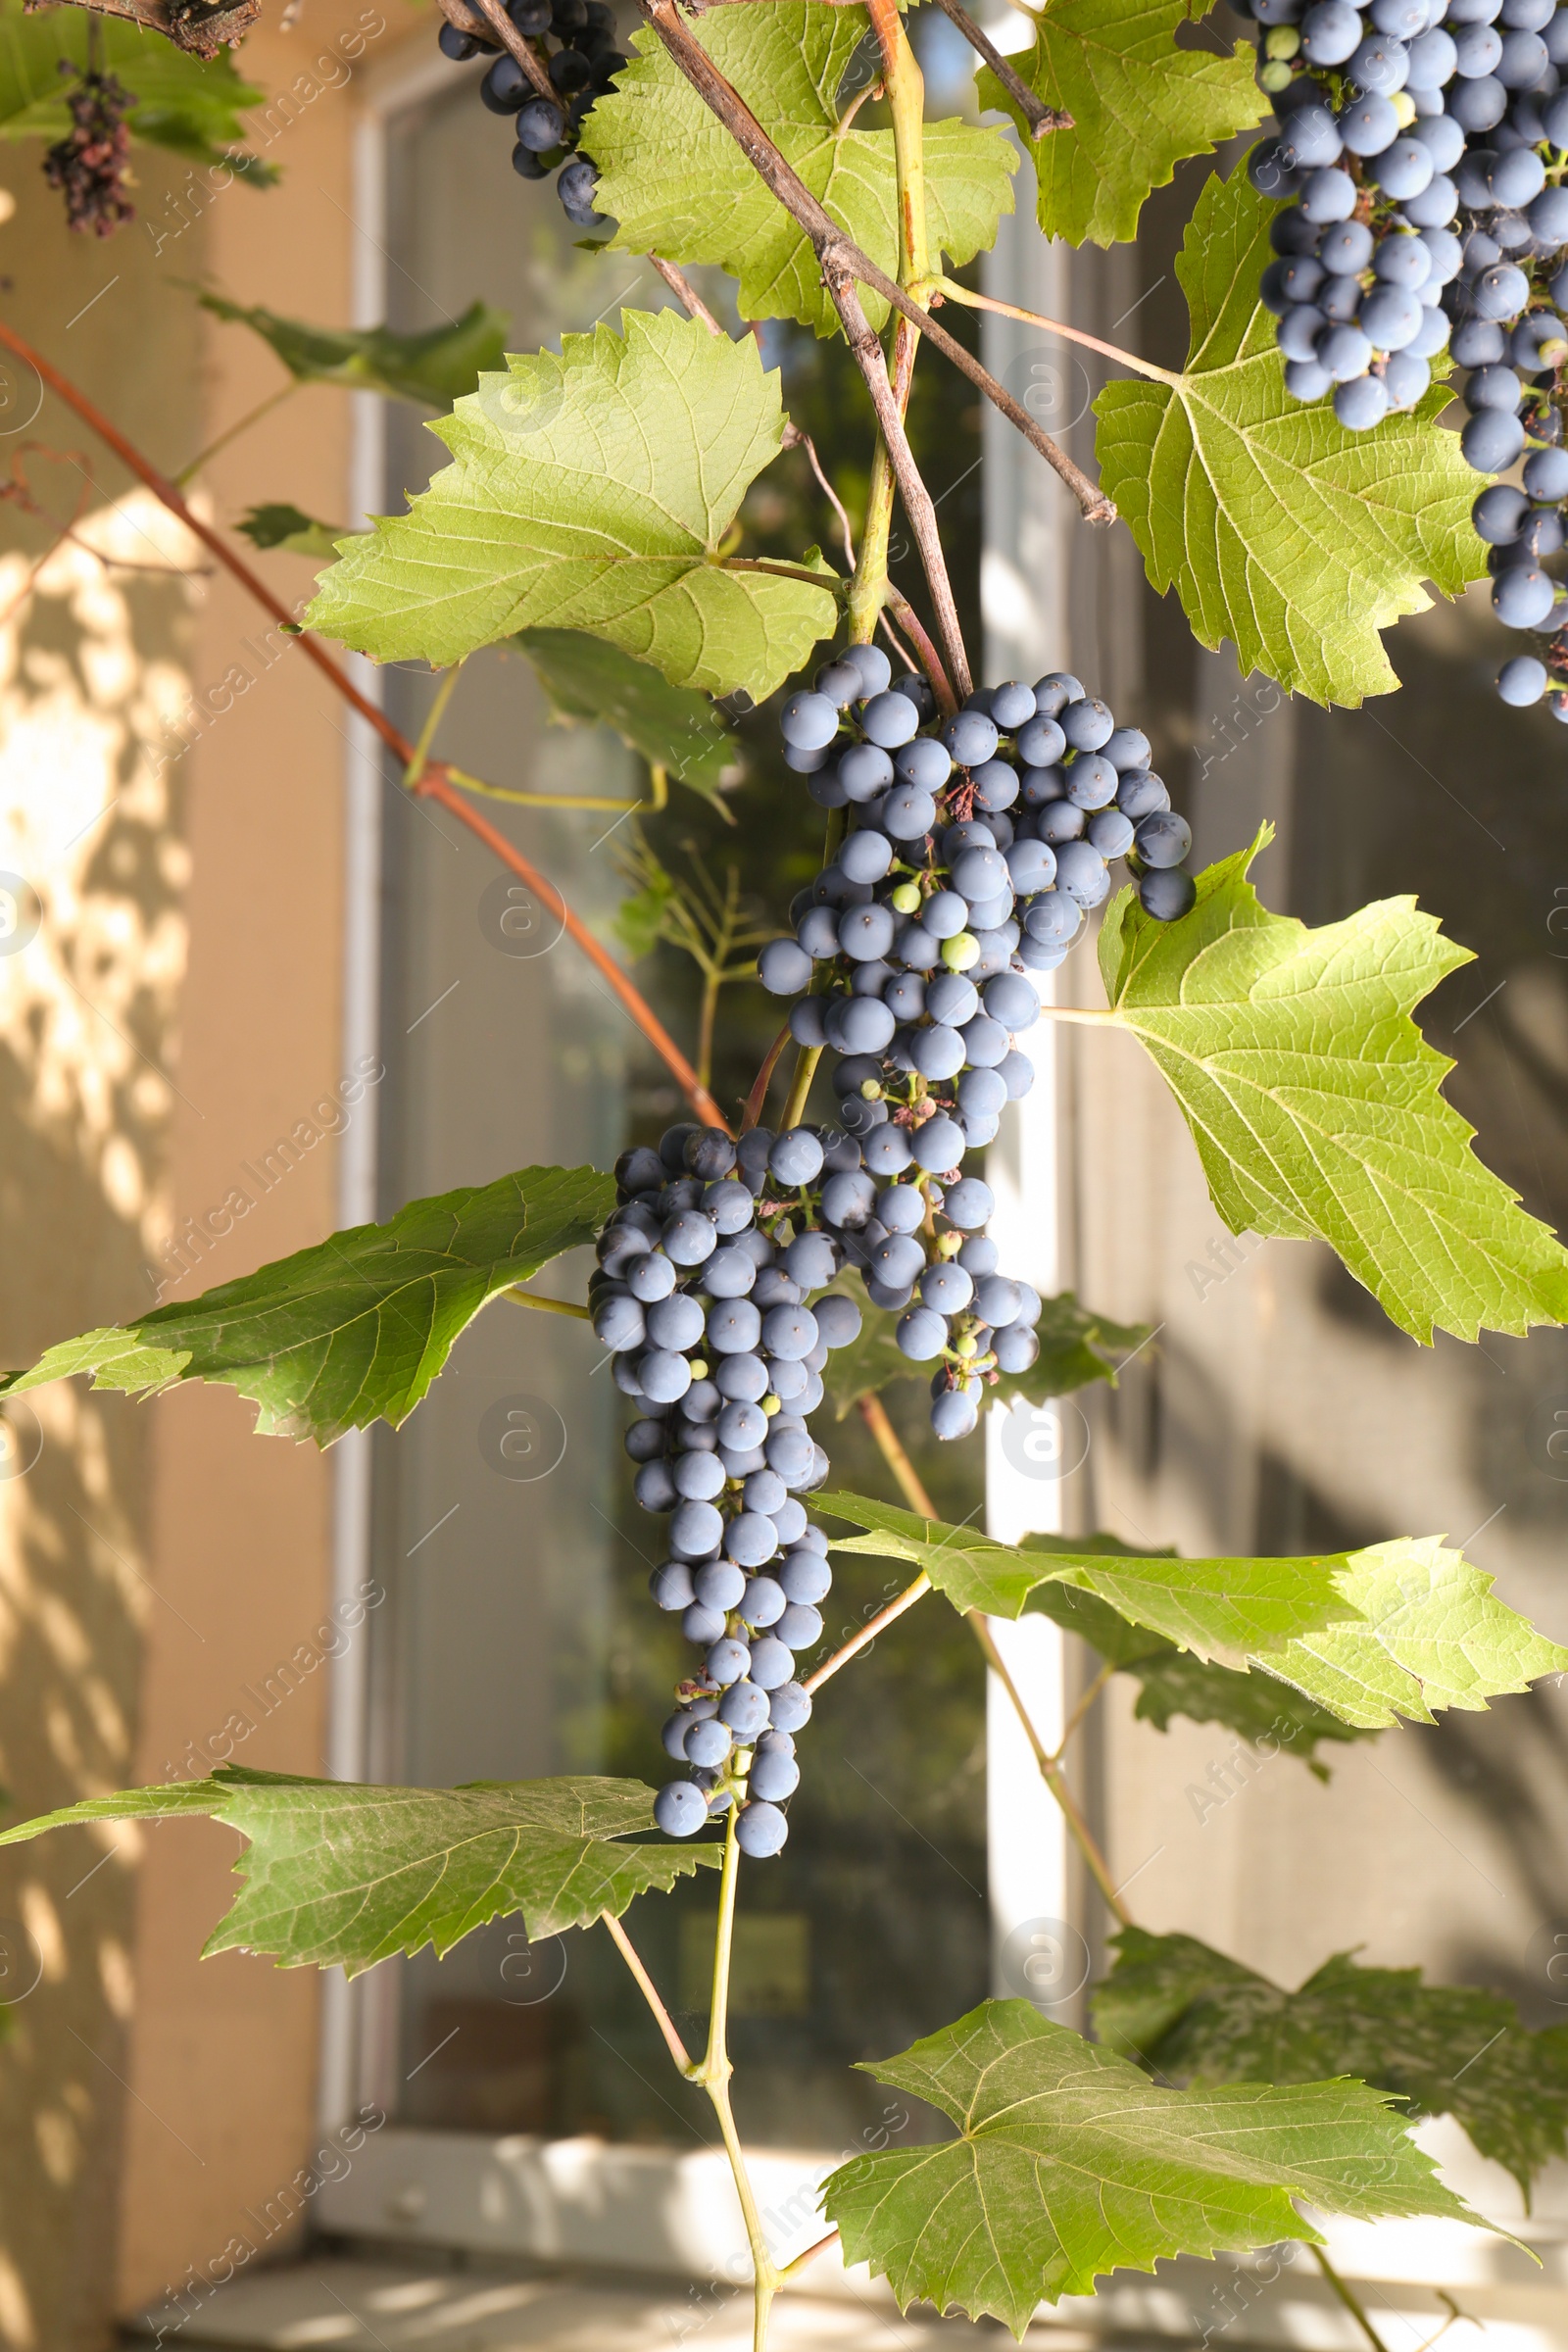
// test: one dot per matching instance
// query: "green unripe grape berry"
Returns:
(699, 1368)
(905, 900)
(1403, 106)
(1284, 40)
(772, 1405)
(960, 952)
(871, 1090)
(1276, 76)
(950, 1245)
(967, 1347)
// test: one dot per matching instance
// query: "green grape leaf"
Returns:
(353, 1329)
(1171, 1682)
(1193, 2016)
(1069, 2163)
(339, 1875)
(674, 727)
(592, 491)
(677, 182)
(1138, 106)
(1403, 1628)
(1069, 1337)
(296, 534)
(1280, 530)
(190, 105)
(1315, 1102)
(437, 367)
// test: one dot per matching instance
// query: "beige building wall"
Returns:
(164, 1575)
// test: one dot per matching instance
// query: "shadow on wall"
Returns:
(92, 951)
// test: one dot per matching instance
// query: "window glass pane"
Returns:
(521, 1639)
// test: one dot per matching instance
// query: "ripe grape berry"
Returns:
(715, 1291)
(581, 69)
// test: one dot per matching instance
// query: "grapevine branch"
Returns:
(1041, 119)
(485, 18)
(680, 285)
(842, 261)
(1052, 1769)
(434, 783)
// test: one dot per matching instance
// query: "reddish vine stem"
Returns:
(750, 1116)
(433, 782)
(842, 261)
(908, 620)
(435, 787)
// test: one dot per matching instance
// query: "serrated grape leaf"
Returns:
(1403, 1628)
(1280, 530)
(190, 105)
(1193, 2015)
(1253, 1704)
(1069, 1336)
(1070, 2162)
(435, 366)
(1314, 1101)
(1138, 106)
(674, 727)
(592, 491)
(353, 1329)
(339, 1875)
(678, 186)
(295, 533)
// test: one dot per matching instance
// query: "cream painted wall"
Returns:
(164, 1574)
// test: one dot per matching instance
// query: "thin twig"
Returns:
(647, 1987)
(550, 1307)
(873, 1412)
(751, 1115)
(1351, 2301)
(1039, 118)
(680, 285)
(527, 55)
(841, 260)
(1052, 1771)
(805, 441)
(436, 788)
(435, 784)
(419, 759)
(953, 292)
(869, 1632)
(908, 620)
(793, 2269)
(232, 432)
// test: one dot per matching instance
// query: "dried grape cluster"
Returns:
(89, 165)
(963, 871)
(581, 68)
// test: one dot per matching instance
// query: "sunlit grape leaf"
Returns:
(1171, 1682)
(339, 1875)
(1314, 1101)
(1139, 105)
(1192, 2015)
(355, 1329)
(1069, 2163)
(1281, 532)
(434, 367)
(678, 186)
(190, 105)
(1074, 1344)
(675, 727)
(592, 491)
(1403, 1628)
(292, 532)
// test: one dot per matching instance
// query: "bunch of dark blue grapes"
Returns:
(956, 873)
(705, 1268)
(582, 67)
(910, 960)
